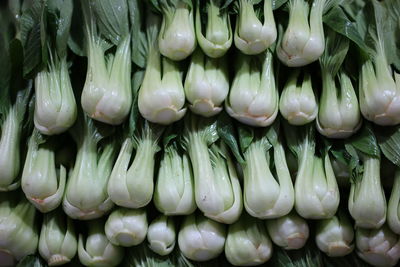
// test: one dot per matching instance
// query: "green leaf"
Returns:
(389, 142)
(76, 41)
(226, 132)
(138, 36)
(134, 114)
(365, 141)
(246, 136)
(5, 76)
(336, 47)
(60, 15)
(112, 19)
(337, 20)
(33, 37)
(31, 261)
(278, 3)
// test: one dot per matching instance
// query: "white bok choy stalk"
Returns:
(177, 38)
(217, 189)
(253, 98)
(339, 113)
(334, 236)
(378, 247)
(216, 39)
(316, 189)
(131, 182)
(393, 212)
(174, 192)
(19, 233)
(200, 238)
(247, 242)
(206, 84)
(268, 190)
(255, 29)
(13, 106)
(94, 249)
(126, 227)
(303, 41)
(161, 95)
(86, 195)
(58, 242)
(42, 182)
(379, 85)
(297, 103)
(55, 105)
(107, 94)
(367, 202)
(161, 235)
(289, 231)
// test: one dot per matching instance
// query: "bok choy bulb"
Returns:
(86, 195)
(107, 93)
(251, 35)
(161, 95)
(217, 189)
(339, 113)
(58, 242)
(131, 184)
(19, 234)
(206, 84)
(378, 247)
(218, 33)
(200, 238)
(174, 193)
(289, 231)
(253, 98)
(265, 196)
(42, 183)
(55, 106)
(335, 236)
(393, 213)
(303, 41)
(126, 227)
(96, 249)
(367, 202)
(247, 242)
(177, 39)
(316, 188)
(161, 235)
(297, 103)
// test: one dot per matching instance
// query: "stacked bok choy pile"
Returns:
(200, 132)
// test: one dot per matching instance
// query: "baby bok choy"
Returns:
(86, 195)
(298, 104)
(174, 192)
(253, 98)
(393, 213)
(217, 190)
(303, 41)
(177, 38)
(200, 238)
(379, 85)
(131, 182)
(19, 234)
(161, 95)
(107, 93)
(43, 183)
(255, 29)
(206, 84)
(94, 249)
(268, 189)
(247, 242)
(58, 242)
(316, 188)
(216, 38)
(161, 235)
(55, 105)
(339, 113)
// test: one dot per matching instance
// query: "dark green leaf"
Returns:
(226, 132)
(138, 36)
(246, 136)
(31, 261)
(338, 21)
(278, 3)
(389, 142)
(76, 41)
(134, 114)
(365, 141)
(5, 76)
(112, 19)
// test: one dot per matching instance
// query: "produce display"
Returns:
(200, 133)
